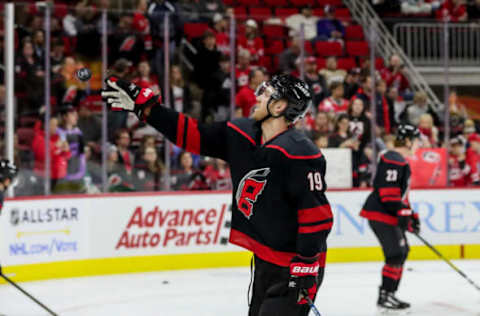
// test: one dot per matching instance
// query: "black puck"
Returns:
(84, 74)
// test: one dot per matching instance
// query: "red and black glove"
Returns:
(414, 226)
(404, 218)
(122, 95)
(303, 278)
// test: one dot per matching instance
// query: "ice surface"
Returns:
(432, 287)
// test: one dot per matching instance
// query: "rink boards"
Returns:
(44, 238)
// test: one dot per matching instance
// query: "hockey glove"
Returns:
(404, 217)
(414, 226)
(122, 95)
(303, 278)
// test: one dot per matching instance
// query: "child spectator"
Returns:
(145, 78)
(336, 103)
(463, 169)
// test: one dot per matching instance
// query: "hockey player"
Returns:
(8, 171)
(389, 214)
(279, 209)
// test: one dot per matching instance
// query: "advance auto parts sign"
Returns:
(43, 231)
(164, 224)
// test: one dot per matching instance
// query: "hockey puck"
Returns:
(83, 74)
(165, 282)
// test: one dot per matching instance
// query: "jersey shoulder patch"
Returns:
(394, 158)
(295, 145)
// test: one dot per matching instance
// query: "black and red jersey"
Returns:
(279, 209)
(390, 189)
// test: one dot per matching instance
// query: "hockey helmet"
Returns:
(8, 170)
(407, 131)
(292, 89)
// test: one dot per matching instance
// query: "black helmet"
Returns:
(8, 170)
(295, 91)
(407, 131)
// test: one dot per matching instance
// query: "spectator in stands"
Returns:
(419, 7)
(417, 108)
(360, 126)
(220, 27)
(315, 81)
(428, 131)
(59, 153)
(156, 14)
(90, 125)
(322, 123)
(473, 150)
(118, 119)
(463, 169)
(210, 7)
(218, 175)
(336, 103)
(206, 60)
(473, 11)
(384, 111)
(352, 83)
(29, 79)
(287, 59)
(218, 96)
(148, 171)
(124, 42)
(87, 33)
(118, 179)
(329, 28)
(320, 139)
(469, 128)
(394, 75)
(245, 99)
(396, 102)
(452, 11)
(252, 42)
(364, 92)
(458, 113)
(141, 25)
(39, 44)
(243, 68)
(69, 131)
(187, 177)
(145, 78)
(57, 55)
(342, 138)
(306, 18)
(331, 73)
(147, 141)
(126, 160)
(180, 95)
(93, 175)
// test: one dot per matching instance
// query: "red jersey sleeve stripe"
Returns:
(236, 128)
(193, 136)
(314, 229)
(180, 129)
(293, 156)
(314, 214)
(389, 191)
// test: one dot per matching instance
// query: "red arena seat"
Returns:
(329, 48)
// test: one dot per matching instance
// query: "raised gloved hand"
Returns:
(404, 218)
(303, 278)
(122, 95)
(414, 226)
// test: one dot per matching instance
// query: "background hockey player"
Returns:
(389, 214)
(8, 171)
(279, 210)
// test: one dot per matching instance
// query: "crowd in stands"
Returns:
(335, 66)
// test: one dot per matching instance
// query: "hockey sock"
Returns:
(391, 276)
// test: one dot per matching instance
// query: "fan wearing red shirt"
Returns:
(452, 11)
(393, 74)
(146, 80)
(251, 42)
(336, 103)
(245, 99)
(221, 36)
(462, 164)
(142, 25)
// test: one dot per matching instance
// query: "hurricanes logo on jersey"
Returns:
(250, 187)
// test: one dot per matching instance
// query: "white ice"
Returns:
(432, 287)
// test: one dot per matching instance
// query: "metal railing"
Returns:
(386, 45)
(423, 43)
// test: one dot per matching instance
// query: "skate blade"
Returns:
(382, 311)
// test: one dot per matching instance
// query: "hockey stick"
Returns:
(310, 303)
(454, 267)
(26, 293)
